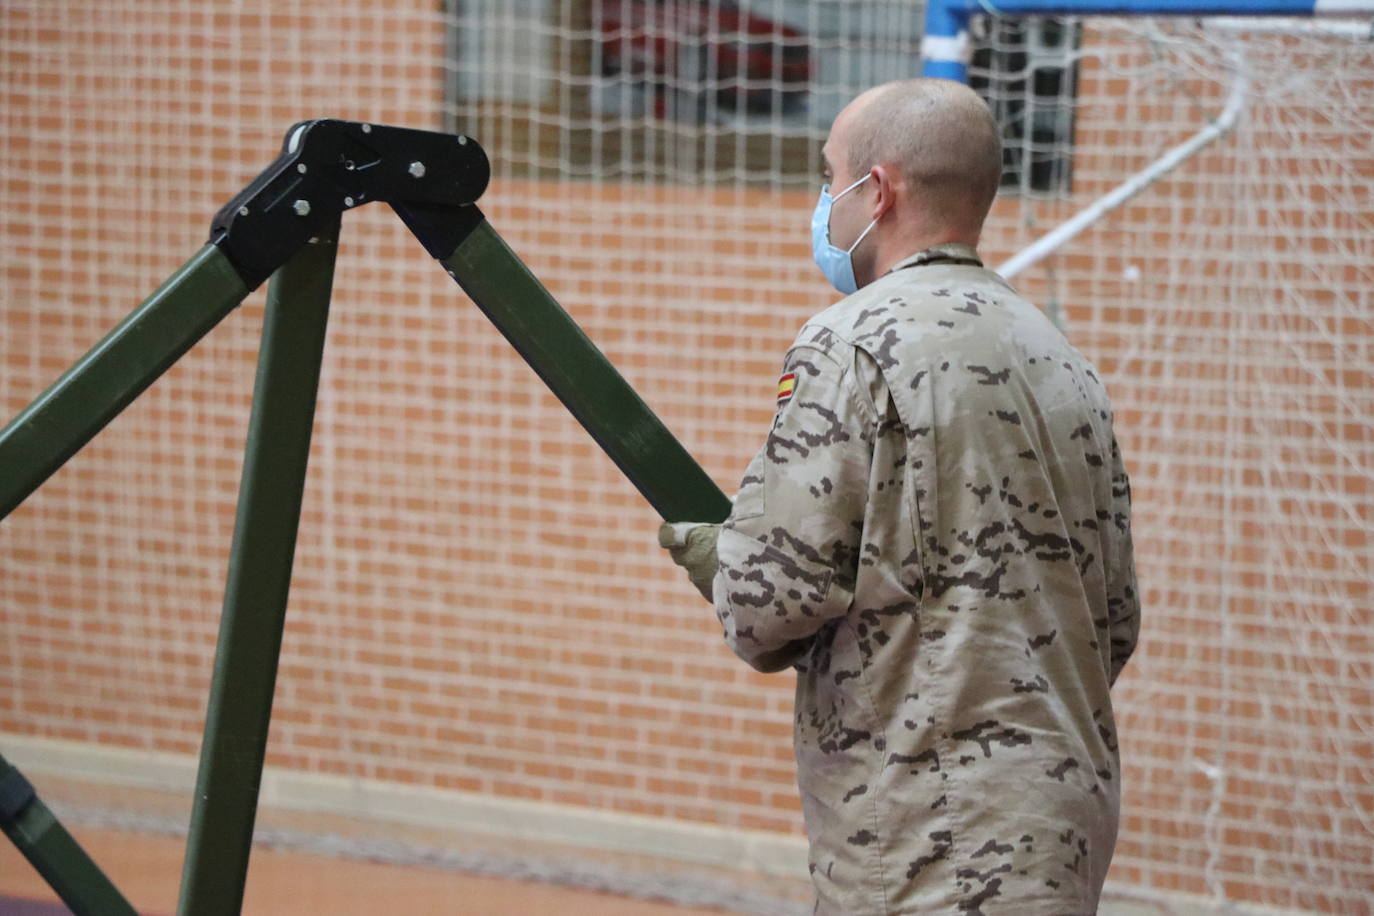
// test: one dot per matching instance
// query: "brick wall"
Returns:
(478, 603)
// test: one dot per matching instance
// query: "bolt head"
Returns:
(462, 141)
(300, 167)
(243, 211)
(417, 169)
(302, 207)
(348, 201)
(367, 128)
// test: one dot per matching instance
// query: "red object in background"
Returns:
(749, 63)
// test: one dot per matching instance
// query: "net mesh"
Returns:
(477, 603)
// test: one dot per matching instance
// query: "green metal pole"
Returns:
(116, 370)
(583, 379)
(61, 861)
(240, 706)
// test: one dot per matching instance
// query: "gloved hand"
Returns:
(693, 547)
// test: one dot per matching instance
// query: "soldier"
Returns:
(936, 536)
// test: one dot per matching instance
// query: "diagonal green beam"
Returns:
(115, 371)
(53, 851)
(583, 379)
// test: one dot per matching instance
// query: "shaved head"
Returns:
(938, 135)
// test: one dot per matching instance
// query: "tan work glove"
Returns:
(693, 547)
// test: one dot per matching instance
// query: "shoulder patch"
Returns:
(786, 385)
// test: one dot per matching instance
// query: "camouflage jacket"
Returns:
(936, 534)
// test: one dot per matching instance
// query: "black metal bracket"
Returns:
(327, 166)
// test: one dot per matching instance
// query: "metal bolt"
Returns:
(243, 211)
(302, 207)
(300, 167)
(367, 128)
(417, 169)
(348, 201)
(462, 141)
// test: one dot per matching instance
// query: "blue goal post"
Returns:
(945, 48)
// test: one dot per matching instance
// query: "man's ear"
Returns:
(884, 179)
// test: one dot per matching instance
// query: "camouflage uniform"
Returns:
(936, 534)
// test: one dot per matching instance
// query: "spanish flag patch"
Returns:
(786, 385)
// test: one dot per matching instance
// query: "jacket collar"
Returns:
(952, 251)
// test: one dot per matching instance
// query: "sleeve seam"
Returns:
(847, 373)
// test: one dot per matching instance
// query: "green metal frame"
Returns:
(103, 382)
(52, 851)
(587, 384)
(192, 301)
(261, 554)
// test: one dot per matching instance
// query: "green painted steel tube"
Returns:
(115, 371)
(583, 379)
(255, 595)
(53, 851)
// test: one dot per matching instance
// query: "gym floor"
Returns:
(147, 870)
(308, 864)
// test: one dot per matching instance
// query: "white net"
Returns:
(1230, 306)
(478, 605)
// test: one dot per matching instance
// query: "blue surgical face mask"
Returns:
(835, 263)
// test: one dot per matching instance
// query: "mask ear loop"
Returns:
(848, 189)
(850, 249)
(825, 188)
